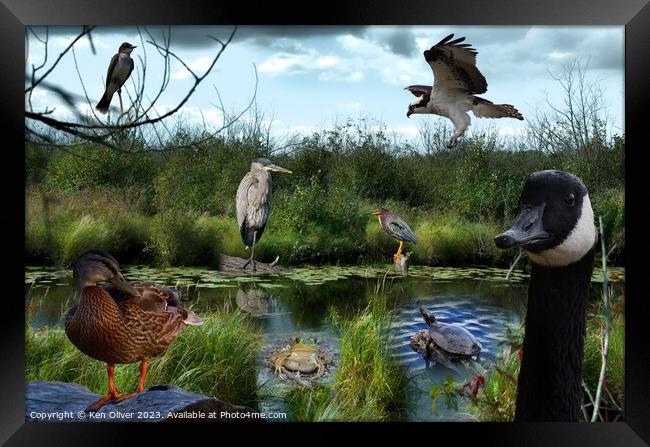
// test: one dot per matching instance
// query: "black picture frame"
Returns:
(633, 14)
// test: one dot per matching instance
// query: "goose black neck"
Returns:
(549, 387)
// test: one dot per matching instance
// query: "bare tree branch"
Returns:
(138, 122)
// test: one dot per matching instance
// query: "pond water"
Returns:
(297, 304)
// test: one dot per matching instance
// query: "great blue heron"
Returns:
(254, 202)
(396, 228)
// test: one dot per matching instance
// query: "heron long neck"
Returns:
(549, 387)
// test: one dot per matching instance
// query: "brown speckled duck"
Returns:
(120, 322)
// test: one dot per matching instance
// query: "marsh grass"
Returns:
(452, 241)
(312, 404)
(497, 400)
(615, 378)
(370, 384)
(216, 359)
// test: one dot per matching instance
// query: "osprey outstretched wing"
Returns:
(456, 81)
(454, 66)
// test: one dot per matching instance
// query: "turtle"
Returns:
(454, 340)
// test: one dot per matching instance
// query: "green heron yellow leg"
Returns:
(397, 255)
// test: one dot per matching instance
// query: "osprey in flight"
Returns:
(456, 81)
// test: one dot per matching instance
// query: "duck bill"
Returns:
(526, 230)
(122, 284)
(276, 168)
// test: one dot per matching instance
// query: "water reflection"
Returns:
(254, 300)
(298, 305)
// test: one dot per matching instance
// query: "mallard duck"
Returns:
(120, 322)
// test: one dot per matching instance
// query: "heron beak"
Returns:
(527, 229)
(122, 284)
(276, 168)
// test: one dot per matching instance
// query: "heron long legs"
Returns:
(397, 255)
(252, 258)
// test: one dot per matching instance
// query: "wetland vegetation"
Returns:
(167, 214)
(364, 320)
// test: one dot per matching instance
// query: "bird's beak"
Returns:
(122, 284)
(408, 114)
(527, 229)
(276, 168)
(134, 46)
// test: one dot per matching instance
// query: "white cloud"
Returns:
(341, 75)
(197, 116)
(198, 66)
(326, 61)
(283, 63)
(328, 67)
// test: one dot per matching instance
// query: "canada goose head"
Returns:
(555, 221)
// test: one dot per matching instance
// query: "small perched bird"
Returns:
(456, 80)
(120, 322)
(253, 202)
(396, 228)
(118, 72)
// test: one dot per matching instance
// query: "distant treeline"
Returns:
(176, 205)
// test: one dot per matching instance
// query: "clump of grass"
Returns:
(496, 401)
(58, 229)
(182, 239)
(216, 359)
(447, 240)
(312, 404)
(370, 384)
(228, 231)
(615, 379)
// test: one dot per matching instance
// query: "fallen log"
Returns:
(66, 402)
(235, 265)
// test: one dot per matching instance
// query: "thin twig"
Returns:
(605, 349)
(520, 253)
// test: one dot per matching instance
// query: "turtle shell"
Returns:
(454, 339)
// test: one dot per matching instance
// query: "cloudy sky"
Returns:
(312, 77)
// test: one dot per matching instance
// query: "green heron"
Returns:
(396, 228)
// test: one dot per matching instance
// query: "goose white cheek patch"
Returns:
(575, 246)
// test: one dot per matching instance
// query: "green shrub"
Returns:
(181, 239)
